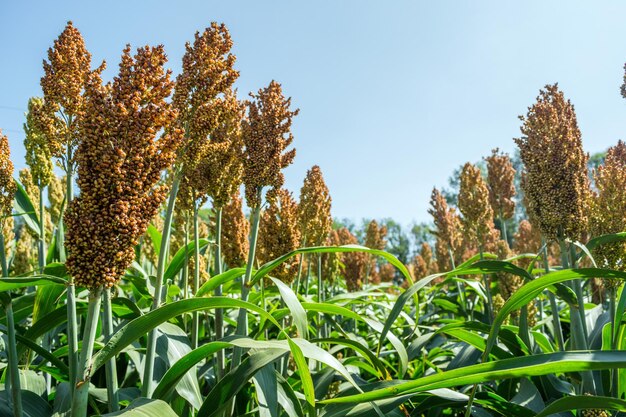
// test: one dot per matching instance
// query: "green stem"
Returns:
(148, 385)
(320, 294)
(42, 232)
(614, 322)
(195, 323)
(81, 394)
(503, 228)
(14, 374)
(489, 306)
(308, 278)
(110, 366)
(219, 313)
(72, 320)
(300, 266)
(556, 320)
(242, 318)
(577, 318)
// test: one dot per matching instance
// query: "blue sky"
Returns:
(393, 95)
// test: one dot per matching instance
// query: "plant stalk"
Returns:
(242, 318)
(148, 385)
(219, 313)
(81, 393)
(42, 233)
(110, 366)
(195, 321)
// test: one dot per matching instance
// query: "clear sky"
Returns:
(393, 94)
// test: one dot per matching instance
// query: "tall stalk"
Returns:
(42, 233)
(242, 318)
(148, 386)
(556, 320)
(81, 394)
(503, 227)
(577, 317)
(14, 371)
(195, 317)
(301, 261)
(219, 313)
(110, 365)
(72, 320)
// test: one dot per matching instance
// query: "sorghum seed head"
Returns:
(314, 216)
(500, 182)
(354, 263)
(279, 233)
(235, 229)
(608, 208)
(267, 134)
(7, 183)
(474, 205)
(120, 163)
(38, 155)
(555, 181)
(448, 225)
(66, 74)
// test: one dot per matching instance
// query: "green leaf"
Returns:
(145, 407)
(217, 280)
(14, 283)
(183, 365)
(227, 387)
(532, 289)
(184, 253)
(155, 237)
(305, 376)
(267, 391)
(543, 364)
(296, 309)
(604, 239)
(25, 208)
(583, 402)
(142, 325)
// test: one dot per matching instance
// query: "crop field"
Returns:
(155, 264)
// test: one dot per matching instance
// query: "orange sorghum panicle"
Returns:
(120, 163)
(235, 229)
(555, 182)
(354, 263)
(314, 209)
(267, 134)
(279, 233)
(448, 225)
(608, 208)
(66, 73)
(38, 155)
(500, 182)
(7, 184)
(474, 205)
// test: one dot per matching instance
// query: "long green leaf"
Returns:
(144, 407)
(179, 259)
(217, 280)
(296, 309)
(583, 402)
(25, 208)
(142, 325)
(527, 366)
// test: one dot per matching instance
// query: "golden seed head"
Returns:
(8, 232)
(331, 261)
(375, 236)
(66, 74)
(448, 225)
(7, 183)
(235, 229)
(420, 267)
(386, 272)
(314, 215)
(120, 164)
(555, 181)
(219, 170)
(279, 233)
(474, 205)
(354, 263)
(500, 182)
(38, 154)
(608, 208)
(24, 259)
(56, 196)
(266, 135)
(426, 252)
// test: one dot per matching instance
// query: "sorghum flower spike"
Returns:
(267, 135)
(235, 230)
(38, 155)
(120, 163)
(314, 215)
(555, 182)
